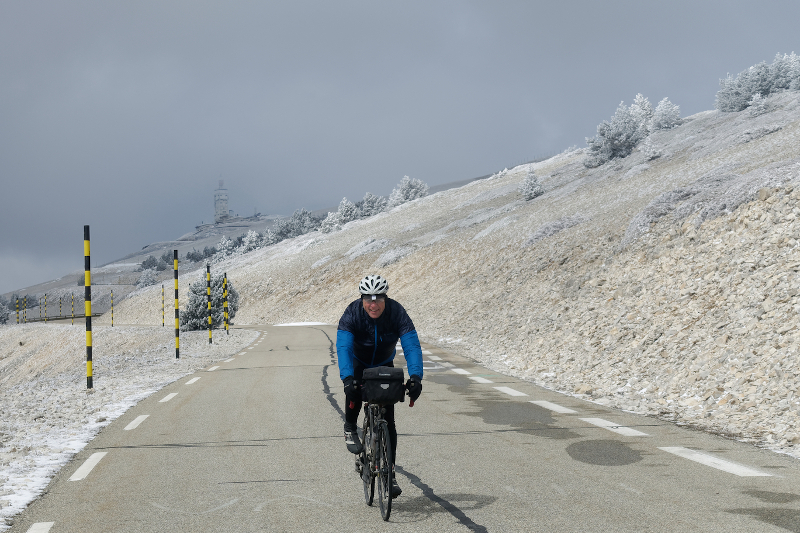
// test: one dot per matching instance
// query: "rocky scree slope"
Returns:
(664, 286)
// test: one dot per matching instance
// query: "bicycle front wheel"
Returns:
(368, 460)
(384, 470)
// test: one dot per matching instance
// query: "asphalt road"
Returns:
(256, 445)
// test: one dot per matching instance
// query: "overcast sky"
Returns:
(124, 115)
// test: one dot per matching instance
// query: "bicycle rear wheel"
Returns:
(367, 460)
(385, 473)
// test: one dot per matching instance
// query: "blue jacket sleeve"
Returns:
(412, 351)
(344, 353)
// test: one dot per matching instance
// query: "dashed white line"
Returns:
(510, 391)
(477, 379)
(715, 462)
(426, 352)
(168, 397)
(553, 406)
(86, 467)
(40, 527)
(447, 365)
(616, 428)
(212, 368)
(193, 380)
(136, 421)
(461, 371)
(228, 360)
(434, 358)
(242, 353)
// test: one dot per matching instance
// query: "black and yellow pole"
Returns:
(59, 307)
(177, 316)
(208, 297)
(25, 309)
(45, 307)
(112, 309)
(17, 310)
(163, 318)
(225, 300)
(87, 303)
(73, 308)
(40, 309)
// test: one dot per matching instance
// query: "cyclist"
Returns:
(367, 336)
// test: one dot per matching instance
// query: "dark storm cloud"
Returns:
(125, 115)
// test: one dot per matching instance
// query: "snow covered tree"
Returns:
(347, 212)
(149, 263)
(642, 113)
(225, 248)
(530, 186)
(650, 150)
(736, 93)
(300, 223)
(331, 223)
(147, 278)
(408, 189)
(616, 138)
(667, 115)
(252, 241)
(195, 314)
(371, 205)
(757, 105)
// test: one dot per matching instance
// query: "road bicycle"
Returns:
(374, 463)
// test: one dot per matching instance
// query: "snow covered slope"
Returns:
(663, 286)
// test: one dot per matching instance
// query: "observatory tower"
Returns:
(221, 212)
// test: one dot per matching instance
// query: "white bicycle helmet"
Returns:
(373, 284)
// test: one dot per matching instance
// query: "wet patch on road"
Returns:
(773, 497)
(603, 453)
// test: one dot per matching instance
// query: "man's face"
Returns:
(374, 308)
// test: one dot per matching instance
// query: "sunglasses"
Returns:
(373, 297)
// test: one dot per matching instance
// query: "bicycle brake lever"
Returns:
(411, 403)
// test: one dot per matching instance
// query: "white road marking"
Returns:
(136, 421)
(477, 379)
(228, 360)
(715, 462)
(611, 426)
(193, 380)
(168, 397)
(553, 406)
(447, 365)
(426, 352)
(461, 371)
(212, 368)
(40, 527)
(86, 467)
(510, 391)
(434, 358)
(251, 347)
(242, 353)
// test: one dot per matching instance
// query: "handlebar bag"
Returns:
(384, 384)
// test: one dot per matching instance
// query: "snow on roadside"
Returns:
(46, 413)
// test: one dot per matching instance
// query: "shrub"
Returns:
(408, 189)
(530, 186)
(195, 314)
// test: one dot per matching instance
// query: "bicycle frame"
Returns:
(375, 462)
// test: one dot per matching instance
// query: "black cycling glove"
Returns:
(351, 390)
(414, 386)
